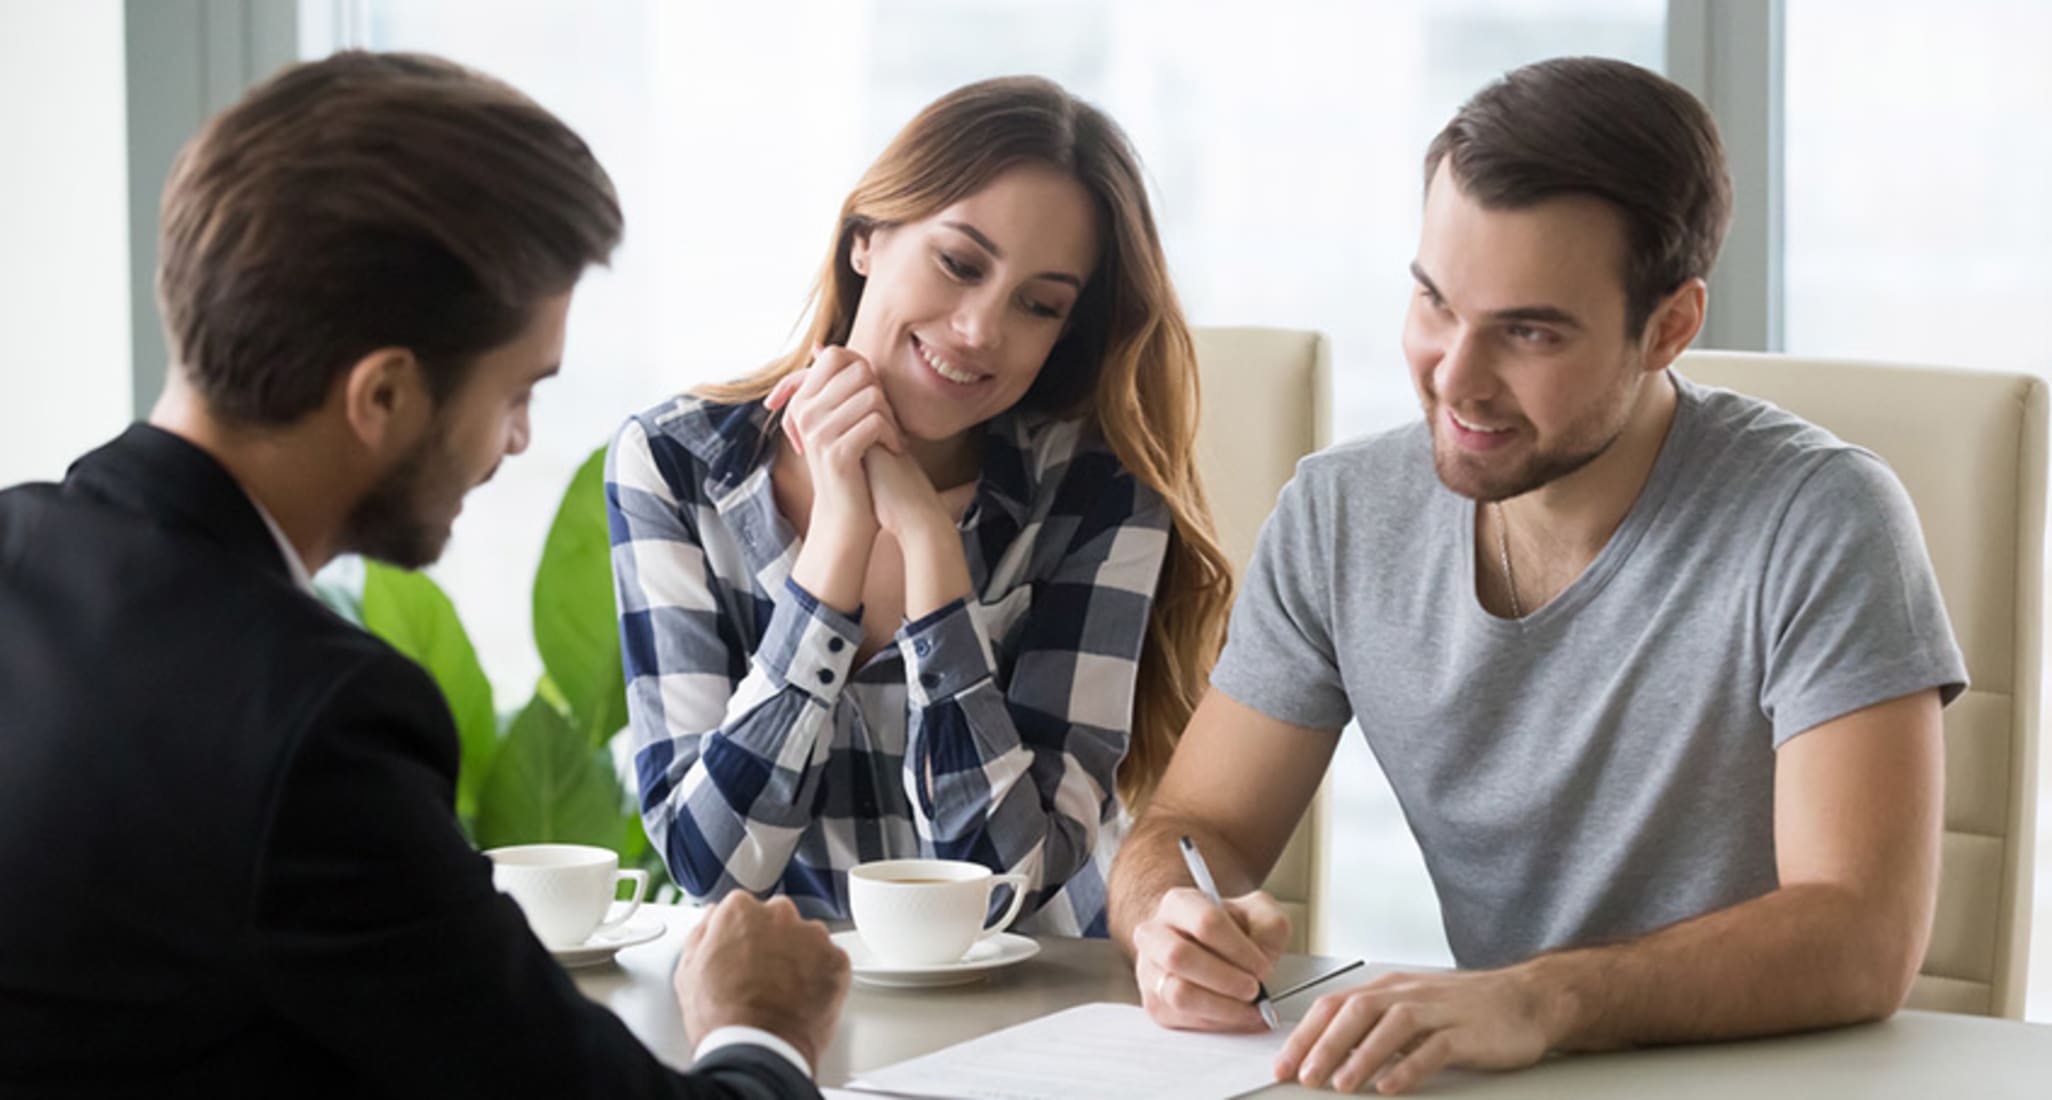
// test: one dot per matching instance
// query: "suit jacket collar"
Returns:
(164, 477)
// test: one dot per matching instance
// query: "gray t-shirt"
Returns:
(1604, 766)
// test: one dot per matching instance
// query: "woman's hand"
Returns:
(911, 512)
(904, 498)
(835, 412)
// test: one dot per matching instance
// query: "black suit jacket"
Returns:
(229, 861)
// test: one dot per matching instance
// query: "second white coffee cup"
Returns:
(926, 912)
(565, 889)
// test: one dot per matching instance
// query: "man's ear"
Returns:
(386, 402)
(1674, 324)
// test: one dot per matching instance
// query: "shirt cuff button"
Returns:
(835, 645)
(826, 676)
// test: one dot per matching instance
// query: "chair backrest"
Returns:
(1970, 448)
(1264, 392)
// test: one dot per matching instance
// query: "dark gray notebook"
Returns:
(1305, 974)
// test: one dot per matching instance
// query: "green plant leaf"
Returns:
(546, 690)
(574, 628)
(548, 786)
(411, 612)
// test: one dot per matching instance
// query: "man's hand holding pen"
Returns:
(1200, 965)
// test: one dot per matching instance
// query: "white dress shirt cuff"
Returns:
(736, 1033)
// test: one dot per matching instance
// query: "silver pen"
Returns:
(1194, 859)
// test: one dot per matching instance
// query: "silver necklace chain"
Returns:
(1510, 579)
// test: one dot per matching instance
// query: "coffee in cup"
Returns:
(565, 889)
(926, 912)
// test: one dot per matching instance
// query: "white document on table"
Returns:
(1090, 1052)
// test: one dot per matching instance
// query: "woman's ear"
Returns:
(858, 252)
(386, 402)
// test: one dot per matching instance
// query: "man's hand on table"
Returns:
(1410, 1026)
(1199, 965)
(758, 964)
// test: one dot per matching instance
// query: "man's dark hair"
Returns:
(362, 202)
(1610, 129)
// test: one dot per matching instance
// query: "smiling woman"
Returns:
(944, 584)
(959, 326)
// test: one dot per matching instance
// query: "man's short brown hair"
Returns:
(1610, 129)
(369, 201)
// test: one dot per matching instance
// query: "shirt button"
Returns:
(929, 679)
(923, 646)
(826, 676)
(835, 645)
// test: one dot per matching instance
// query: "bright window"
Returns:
(1919, 182)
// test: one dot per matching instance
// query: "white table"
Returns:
(1914, 1054)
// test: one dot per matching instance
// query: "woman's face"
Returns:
(960, 310)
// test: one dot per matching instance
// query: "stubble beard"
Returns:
(1473, 476)
(1463, 475)
(391, 522)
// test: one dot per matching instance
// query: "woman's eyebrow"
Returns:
(991, 247)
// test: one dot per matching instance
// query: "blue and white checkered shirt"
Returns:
(993, 729)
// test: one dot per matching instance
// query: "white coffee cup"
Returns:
(926, 912)
(565, 889)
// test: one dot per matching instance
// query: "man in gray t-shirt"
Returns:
(1654, 669)
(1603, 766)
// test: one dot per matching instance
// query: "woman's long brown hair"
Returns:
(1127, 360)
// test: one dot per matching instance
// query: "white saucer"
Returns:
(995, 953)
(604, 943)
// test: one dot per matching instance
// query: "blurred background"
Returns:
(1892, 158)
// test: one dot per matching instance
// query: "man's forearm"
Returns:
(1149, 865)
(1804, 956)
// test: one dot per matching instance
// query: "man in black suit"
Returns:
(229, 863)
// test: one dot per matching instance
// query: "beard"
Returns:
(1486, 478)
(1471, 477)
(396, 521)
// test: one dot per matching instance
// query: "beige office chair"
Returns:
(1265, 393)
(1970, 448)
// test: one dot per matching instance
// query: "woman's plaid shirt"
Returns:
(991, 731)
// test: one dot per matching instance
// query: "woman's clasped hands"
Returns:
(837, 417)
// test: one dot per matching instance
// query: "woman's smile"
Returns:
(945, 366)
